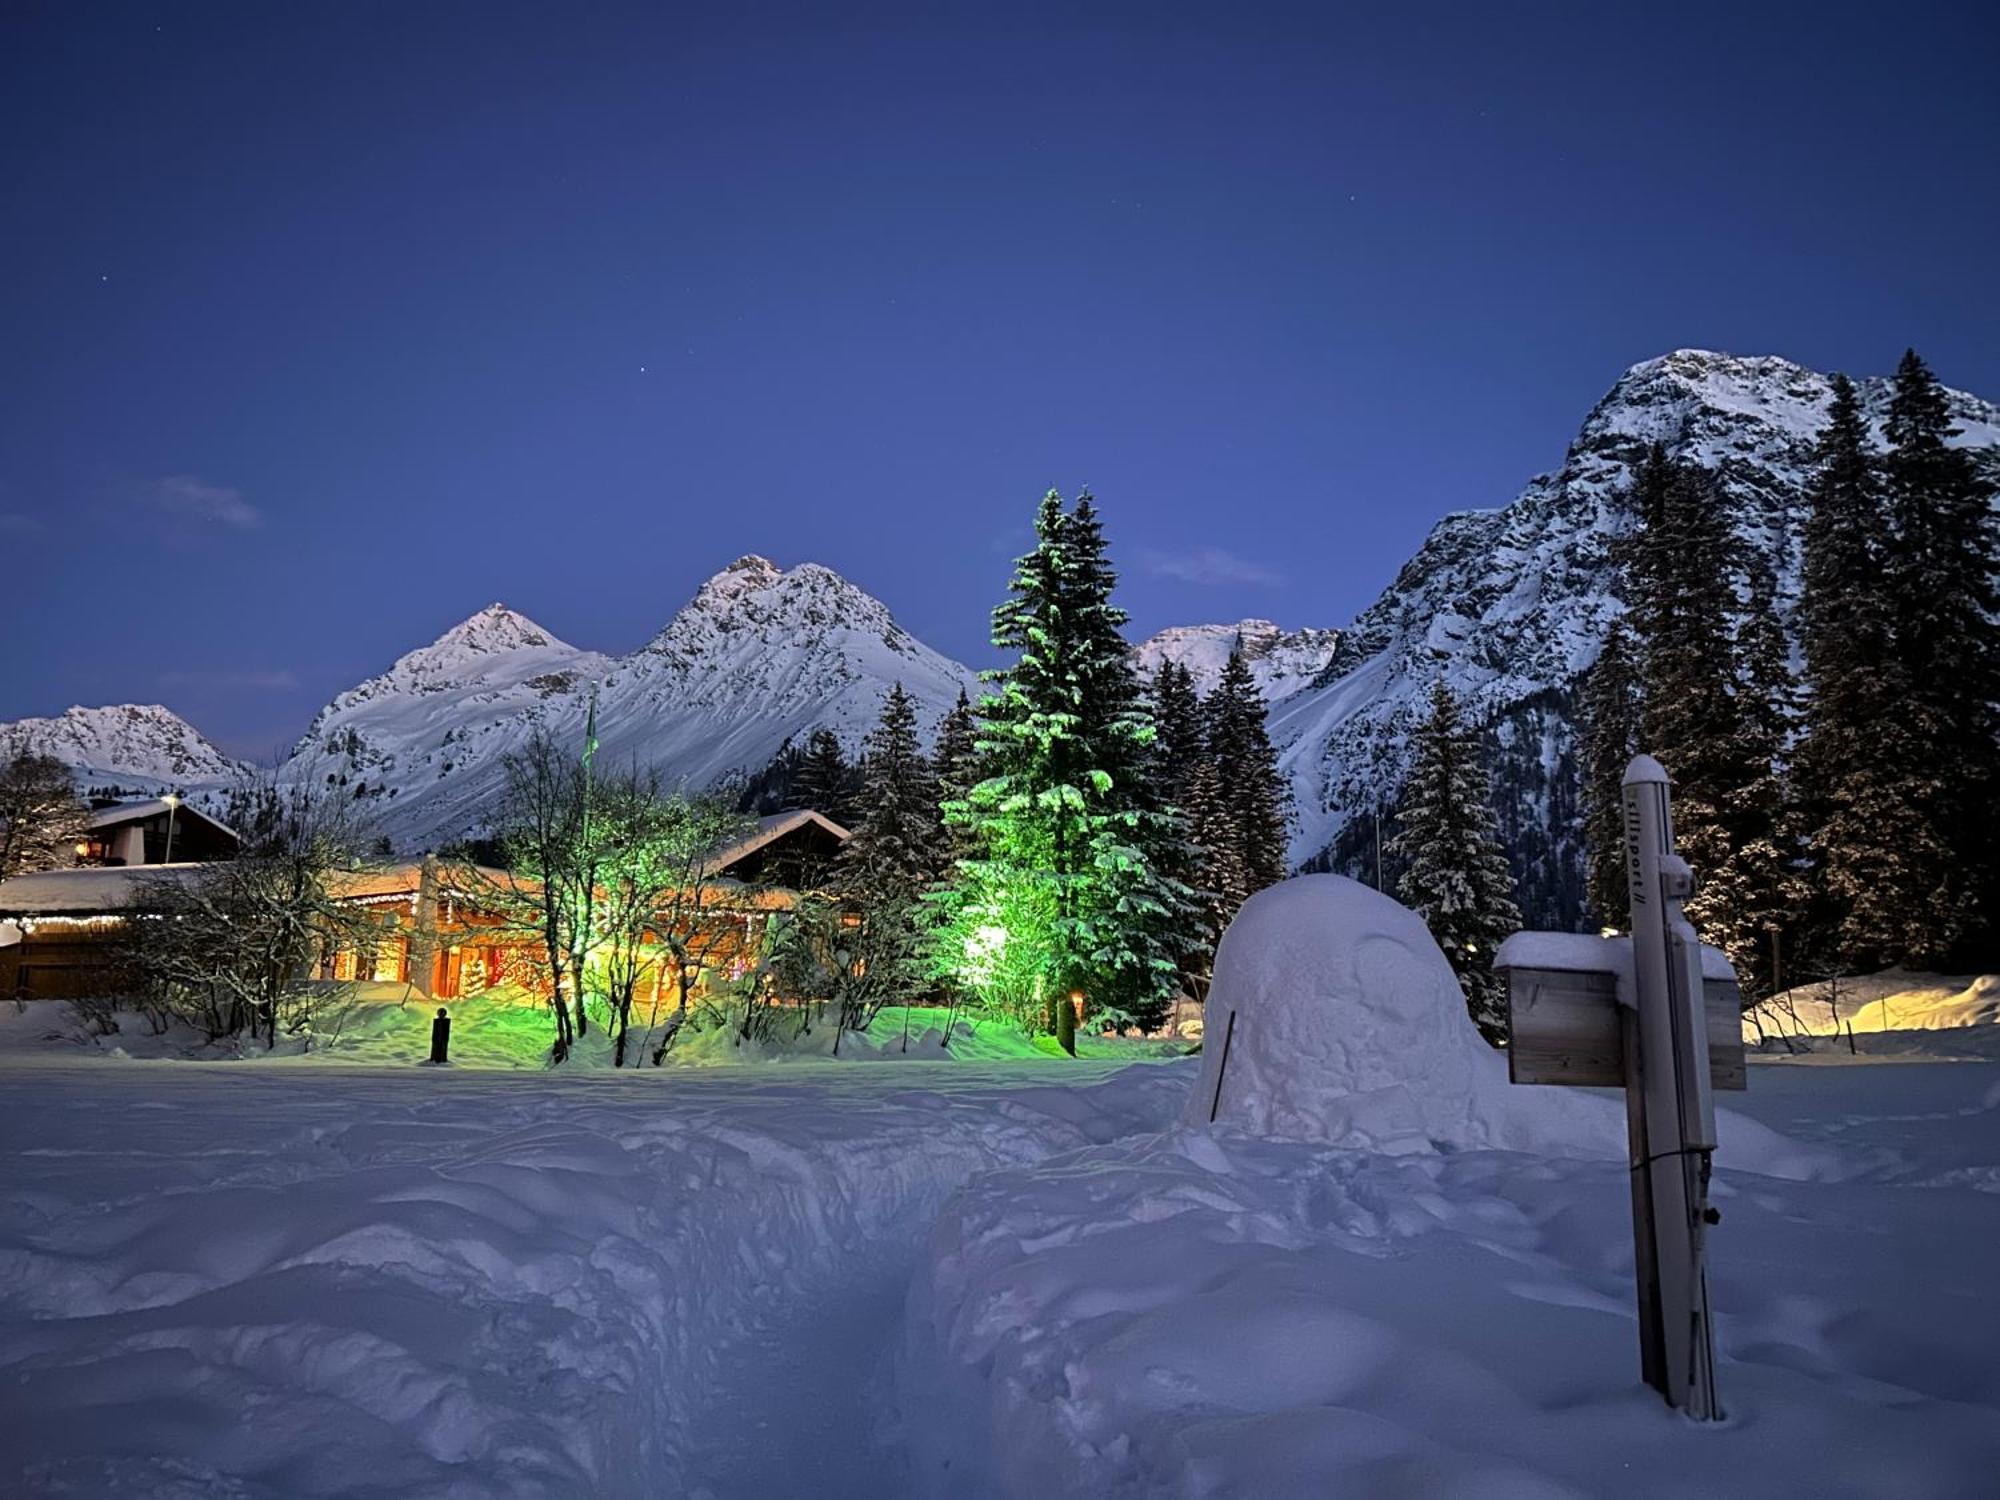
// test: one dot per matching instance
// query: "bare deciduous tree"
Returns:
(41, 816)
(551, 882)
(683, 836)
(232, 946)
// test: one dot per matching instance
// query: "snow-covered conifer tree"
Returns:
(893, 855)
(1183, 782)
(1455, 875)
(1250, 789)
(1065, 893)
(823, 780)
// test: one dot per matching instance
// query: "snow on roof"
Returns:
(132, 812)
(85, 892)
(769, 829)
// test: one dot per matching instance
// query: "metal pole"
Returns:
(173, 805)
(1678, 1108)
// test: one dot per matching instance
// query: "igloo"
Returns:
(1350, 1028)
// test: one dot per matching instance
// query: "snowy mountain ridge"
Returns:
(759, 655)
(136, 747)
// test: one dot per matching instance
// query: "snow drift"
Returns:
(1333, 1017)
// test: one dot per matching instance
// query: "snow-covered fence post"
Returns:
(1657, 1014)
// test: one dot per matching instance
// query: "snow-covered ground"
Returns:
(1350, 1260)
(303, 1279)
(300, 1279)
(1381, 1270)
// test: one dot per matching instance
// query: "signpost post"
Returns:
(1658, 1014)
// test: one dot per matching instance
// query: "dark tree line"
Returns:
(1846, 821)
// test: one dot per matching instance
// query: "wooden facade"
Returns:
(439, 928)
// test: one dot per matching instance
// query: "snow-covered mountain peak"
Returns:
(755, 598)
(491, 648)
(135, 746)
(1282, 661)
(759, 655)
(494, 628)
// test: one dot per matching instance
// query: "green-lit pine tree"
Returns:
(1455, 876)
(1065, 895)
(1250, 788)
(1946, 626)
(1610, 735)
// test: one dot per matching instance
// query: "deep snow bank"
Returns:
(1384, 1270)
(302, 1281)
(1207, 1314)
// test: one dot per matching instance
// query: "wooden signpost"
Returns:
(1657, 1014)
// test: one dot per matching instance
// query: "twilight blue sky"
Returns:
(323, 326)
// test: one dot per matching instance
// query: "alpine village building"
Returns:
(440, 931)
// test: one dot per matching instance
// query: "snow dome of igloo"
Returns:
(1350, 1028)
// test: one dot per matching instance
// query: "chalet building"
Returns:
(166, 830)
(439, 931)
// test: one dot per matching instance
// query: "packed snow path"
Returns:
(306, 1280)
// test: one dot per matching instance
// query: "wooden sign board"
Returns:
(1565, 1026)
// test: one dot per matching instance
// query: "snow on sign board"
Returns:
(1569, 996)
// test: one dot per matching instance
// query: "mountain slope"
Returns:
(759, 655)
(1509, 606)
(124, 747)
(1282, 661)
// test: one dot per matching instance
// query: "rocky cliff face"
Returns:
(1509, 606)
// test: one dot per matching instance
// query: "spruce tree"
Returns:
(1250, 787)
(957, 772)
(1946, 630)
(1866, 878)
(1065, 893)
(1610, 734)
(893, 855)
(1751, 905)
(823, 779)
(1680, 576)
(1183, 784)
(1455, 876)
